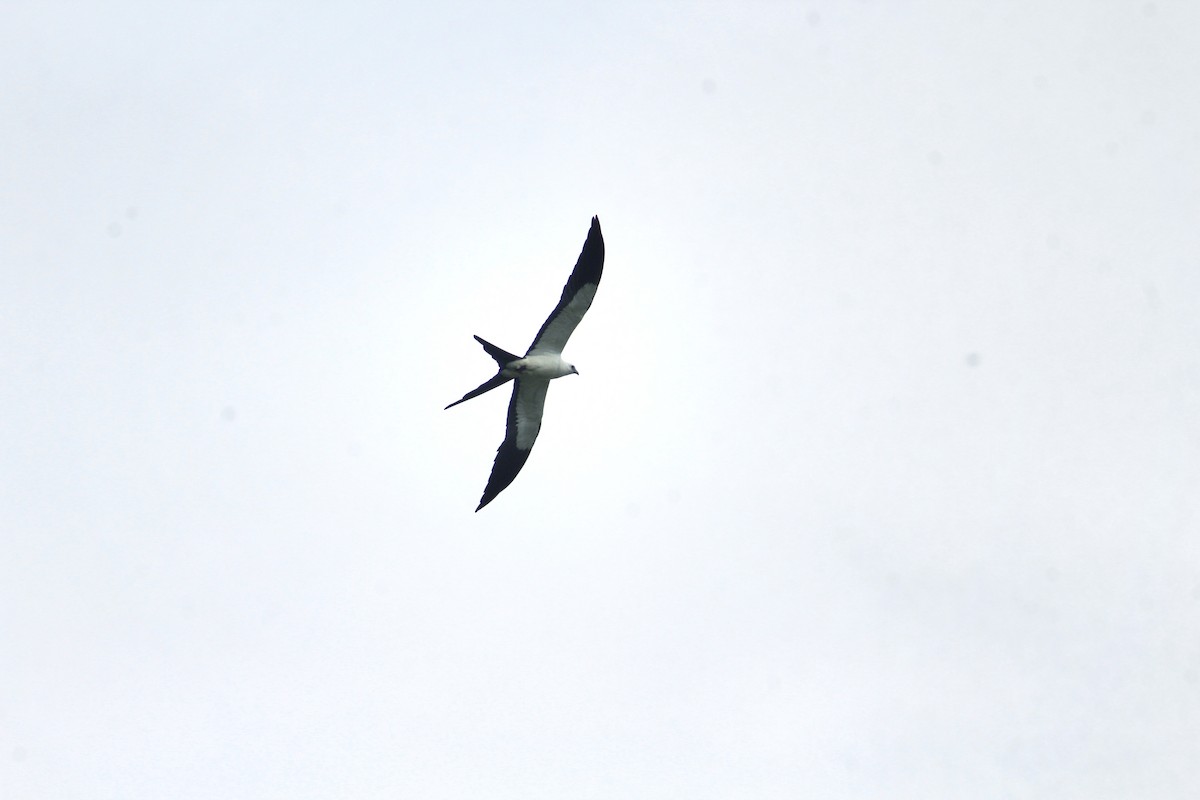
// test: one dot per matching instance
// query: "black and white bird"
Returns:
(541, 363)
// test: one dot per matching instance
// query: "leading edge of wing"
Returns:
(524, 424)
(574, 303)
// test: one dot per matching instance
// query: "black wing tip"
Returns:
(590, 265)
(491, 492)
(508, 463)
(594, 233)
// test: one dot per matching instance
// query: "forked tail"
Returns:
(503, 358)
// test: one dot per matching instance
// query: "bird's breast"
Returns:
(544, 366)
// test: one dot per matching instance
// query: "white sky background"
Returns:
(880, 478)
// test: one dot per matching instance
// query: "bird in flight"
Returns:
(541, 363)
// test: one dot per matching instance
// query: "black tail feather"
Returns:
(498, 380)
(503, 357)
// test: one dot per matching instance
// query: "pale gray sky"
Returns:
(880, 478)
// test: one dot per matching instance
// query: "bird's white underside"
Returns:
(547, 366)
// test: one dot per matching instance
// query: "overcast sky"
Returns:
(881, 478)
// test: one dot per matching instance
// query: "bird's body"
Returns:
(545, 365)
(542, 363)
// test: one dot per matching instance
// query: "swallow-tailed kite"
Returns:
(542, 363)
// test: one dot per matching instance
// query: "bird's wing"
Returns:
(524, 422)
(576, 297)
